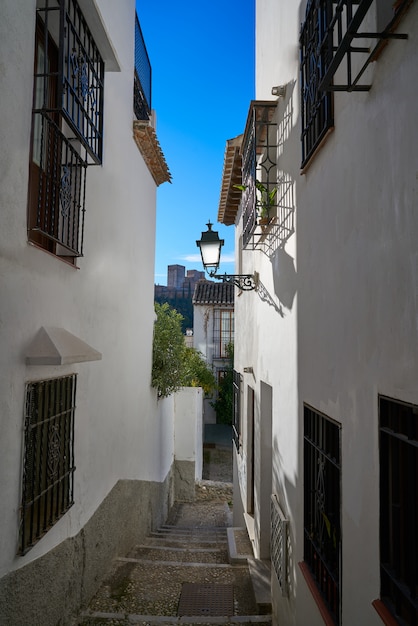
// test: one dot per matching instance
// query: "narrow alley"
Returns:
(195, 569)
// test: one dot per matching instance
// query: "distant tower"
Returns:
(175, 276)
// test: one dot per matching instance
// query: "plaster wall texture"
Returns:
(345, 329)
(51, 589)
(188, 438)
(203, 342)
(107, 302)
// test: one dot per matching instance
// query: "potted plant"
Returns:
(264, 200)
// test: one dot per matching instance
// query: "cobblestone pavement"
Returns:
(146, 585)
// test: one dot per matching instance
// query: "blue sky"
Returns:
(202, 58)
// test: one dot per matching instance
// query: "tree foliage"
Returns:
(174, 365)
(196, 373)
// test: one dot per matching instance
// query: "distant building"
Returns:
(213, 329)
(175, 276)
(179, 291)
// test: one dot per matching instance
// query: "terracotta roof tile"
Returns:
(209, 292)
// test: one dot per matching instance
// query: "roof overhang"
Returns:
(148, 145)
(232, 175)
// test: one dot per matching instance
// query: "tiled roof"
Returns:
(147, 142)
(230, 196)
(208, 292)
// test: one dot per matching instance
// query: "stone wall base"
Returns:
(51, 590)
(184, 480)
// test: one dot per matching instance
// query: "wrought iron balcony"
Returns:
(142, 77)
(259, 154)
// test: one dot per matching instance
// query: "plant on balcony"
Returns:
(264, 200)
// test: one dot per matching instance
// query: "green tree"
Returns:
(173, 364)
(167, 351)
(196, 373)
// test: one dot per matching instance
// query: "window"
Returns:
(399, 509)
(315, 56)
(67, 124)
(223, 332)
(47, 491)
(322, 506)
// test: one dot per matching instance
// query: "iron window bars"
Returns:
(315, 57)
(223, 332)
(58, 183)
(259, 160)
(142, 76)
(343, 30)
(236, 417)
(48, 471)
(67, 126)
(322, 506)
(80, 74)
(278, 543)
(399, 508)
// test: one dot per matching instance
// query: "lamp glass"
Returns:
(210, 249)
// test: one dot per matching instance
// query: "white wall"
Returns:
(188, 427)
(108, 301)
(350, 331)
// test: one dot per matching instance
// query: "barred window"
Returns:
(48, 470)
(223, 332)
(399, 509)
(236, 417)
(67, 127)
(315, 56)
(322, 506)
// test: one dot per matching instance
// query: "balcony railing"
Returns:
(142, 77)
(259, 155)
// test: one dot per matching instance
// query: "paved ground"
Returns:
(158, 581)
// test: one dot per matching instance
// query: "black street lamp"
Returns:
(210, 250)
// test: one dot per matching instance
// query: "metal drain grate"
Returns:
(206, 599)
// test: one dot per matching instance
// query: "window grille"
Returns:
(223, 332)
(57, 191)
(322, 506)
(77, 80)
(142, 76)
(259, 160)
(399, 509)
(236, 424)
(48, 470)
(278, 544)
(67, 126)
(315, 55)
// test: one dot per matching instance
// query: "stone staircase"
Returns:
(182, 574)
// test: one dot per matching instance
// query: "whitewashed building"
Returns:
(86, 460)
(213, 331)
(326, 347)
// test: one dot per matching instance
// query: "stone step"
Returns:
(145, 587)
(182, 554)
(185, 542)
(195, 531)
(98, 618)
